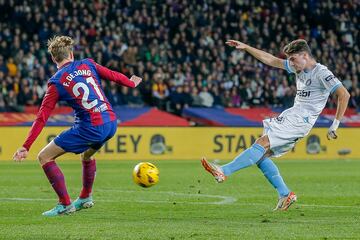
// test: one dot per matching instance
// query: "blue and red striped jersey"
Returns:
(78, 83)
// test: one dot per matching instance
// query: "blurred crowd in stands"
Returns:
(178, 47)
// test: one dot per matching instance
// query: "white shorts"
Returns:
(286, 129)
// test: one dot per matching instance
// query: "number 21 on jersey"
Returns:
(84, 99)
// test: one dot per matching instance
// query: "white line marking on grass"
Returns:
(326, 206)
(25, 199)
(221, 199)
(226, 200)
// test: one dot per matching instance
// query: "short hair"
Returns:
(60, 47)
(297, 46)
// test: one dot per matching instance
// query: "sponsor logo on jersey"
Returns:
(330, 77)
(303, 93)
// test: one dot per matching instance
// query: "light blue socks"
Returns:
(271, 172)
(252, 156)
(247, 158)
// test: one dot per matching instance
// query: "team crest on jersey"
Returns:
(279, 119)
(308, 82)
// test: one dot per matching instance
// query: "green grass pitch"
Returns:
(186, 204)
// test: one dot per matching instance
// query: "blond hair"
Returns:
(60, 47)
(297, 46)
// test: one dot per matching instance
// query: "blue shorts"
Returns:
(80, 138)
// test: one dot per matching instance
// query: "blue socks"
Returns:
(247, 158)
(252, 156)
(271, 172)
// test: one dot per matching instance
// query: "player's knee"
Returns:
(264, 142)
(85, 157)
(42, 158)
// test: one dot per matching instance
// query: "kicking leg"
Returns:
(247, 158)
(56, 178)
(89, 171)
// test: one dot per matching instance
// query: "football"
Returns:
(146, 174)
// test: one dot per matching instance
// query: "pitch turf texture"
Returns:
(186, 204)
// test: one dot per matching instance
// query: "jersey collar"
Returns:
(66, 64)
(309, 70)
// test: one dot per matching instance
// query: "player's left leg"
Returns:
(272, 174)
(56, 178)
(85, 199)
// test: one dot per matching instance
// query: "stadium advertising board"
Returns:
(181, 143)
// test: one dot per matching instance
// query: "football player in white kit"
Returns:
(314, 84)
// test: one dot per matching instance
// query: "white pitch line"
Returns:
(26, 199)
(327, 206)
(222, 199)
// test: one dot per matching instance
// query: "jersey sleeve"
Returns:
(328, 80)
(113, 76)
(288, 67)
(47, 105)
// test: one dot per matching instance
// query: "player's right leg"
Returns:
(85, 199)
(247, 158)
(56, 178)
(214, 169)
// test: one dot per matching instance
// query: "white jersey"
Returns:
(313, 90)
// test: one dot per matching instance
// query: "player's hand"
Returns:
(236, 44)
(137, 80)
(20, 154)
(331, 134)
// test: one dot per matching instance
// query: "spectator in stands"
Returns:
(188, 50)
(235, 98)
(217, 98)
(124, 96)
(160, 91)
(2, 103)
(11, 102)
(226, 98)
(3, 67)
(196, 99)
(113, 96)
(282, 89)
(186, 97)
(11, 67)
(134, 99)
(207, 99)
(25, 96)
(176, 102)
(355, 99)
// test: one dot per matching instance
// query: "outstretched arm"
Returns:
(342, 102)
(48, 104)
(117, 77)
(262, 56)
